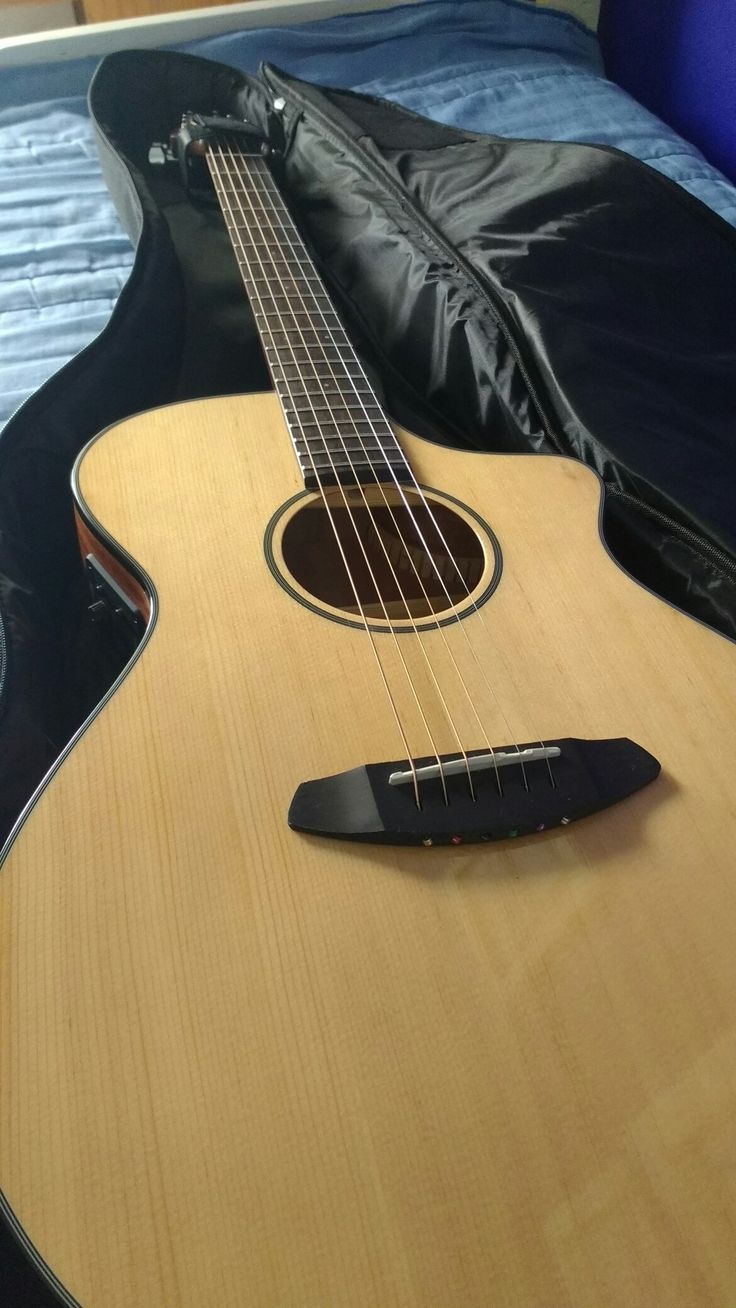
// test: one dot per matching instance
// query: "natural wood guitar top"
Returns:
(241, 1066)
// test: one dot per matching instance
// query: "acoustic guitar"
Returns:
(374, 944)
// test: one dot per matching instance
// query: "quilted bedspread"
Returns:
(496, 66)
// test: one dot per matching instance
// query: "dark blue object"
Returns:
(678, 57)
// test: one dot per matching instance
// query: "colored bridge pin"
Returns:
(539, 826)
(515, 832)
(427, 841)
(456, 840)
(565, 821)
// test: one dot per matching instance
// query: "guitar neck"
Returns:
(336, 424)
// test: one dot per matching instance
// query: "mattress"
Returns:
(496, 66)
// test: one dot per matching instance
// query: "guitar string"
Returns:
(211, 157)
(274, 195)
(277, 200)
(273, 192)
(247, 160)
(262, 170)
(214, 170)
(270, 185)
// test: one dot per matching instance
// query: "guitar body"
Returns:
(242, 1065)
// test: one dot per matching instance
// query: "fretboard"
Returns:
(336, 424)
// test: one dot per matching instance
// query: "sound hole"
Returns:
(394, 560)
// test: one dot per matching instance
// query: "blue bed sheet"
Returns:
(495, 66)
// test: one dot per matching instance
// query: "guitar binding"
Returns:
(366, 804)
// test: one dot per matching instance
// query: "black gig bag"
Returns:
(506, 296)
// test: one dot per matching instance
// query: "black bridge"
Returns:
(513, 791)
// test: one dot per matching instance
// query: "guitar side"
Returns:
(242, 1064)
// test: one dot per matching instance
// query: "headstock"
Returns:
(187, 148)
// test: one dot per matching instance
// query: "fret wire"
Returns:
(253, 283)
(342, 399)
(295, 416)
(295, 410)
(314, 341)
(332, 431)
(345, 399)
(379, 416)
(353, 393)
(309, 358)
(306, 327)
(336, 443)
(288, 232)
(297, 272)
(246, 268)
(348, 416)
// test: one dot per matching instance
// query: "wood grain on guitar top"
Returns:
(241, 1066)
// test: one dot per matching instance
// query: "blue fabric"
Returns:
(63, 256)
(679, 58)
(495, 66)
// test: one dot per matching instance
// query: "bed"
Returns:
(491, 65)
